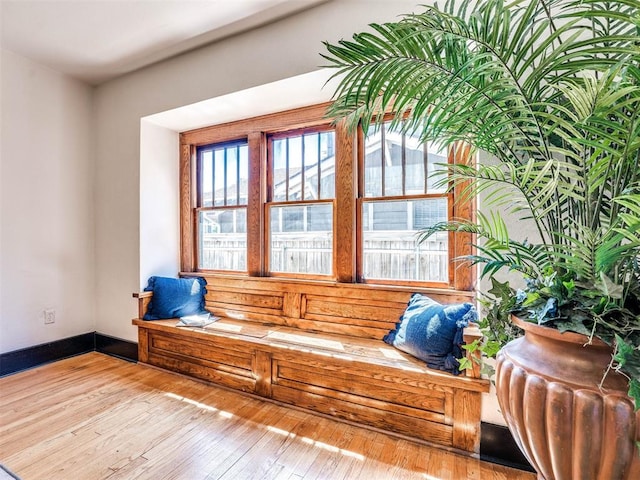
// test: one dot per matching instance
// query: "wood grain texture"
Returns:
(97, 417)
(143, 302)
(464, 274)
(188, 260)
(143, 345)
(257, 194)
(290, 120)
(345, 224)
(337, 308)
(466, 432)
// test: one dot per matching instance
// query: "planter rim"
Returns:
(555, 334)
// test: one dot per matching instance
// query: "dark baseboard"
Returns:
(117, 347)
(23, 359)
(30, 357)
(498, 446)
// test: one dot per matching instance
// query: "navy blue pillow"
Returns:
(175, 297)
(432, 332)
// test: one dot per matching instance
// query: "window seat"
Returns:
(354, 377)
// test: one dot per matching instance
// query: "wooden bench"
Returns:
(318, 346)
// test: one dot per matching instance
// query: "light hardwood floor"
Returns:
(95, 417)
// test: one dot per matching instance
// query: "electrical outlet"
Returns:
(49, 316)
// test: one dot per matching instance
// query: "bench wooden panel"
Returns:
(226, 362)
(318, 346)
(353, 409)
(346, 309)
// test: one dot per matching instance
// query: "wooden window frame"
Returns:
(269, 202)
(349, 147)
(362, 198)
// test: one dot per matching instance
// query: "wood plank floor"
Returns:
(95, 417)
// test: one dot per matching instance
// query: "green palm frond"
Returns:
(550, 88)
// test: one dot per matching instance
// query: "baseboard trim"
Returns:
(116, 347)
(31, 357)
(498, 446)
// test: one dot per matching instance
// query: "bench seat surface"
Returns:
(341, 347)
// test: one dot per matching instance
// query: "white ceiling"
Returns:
(96, 40)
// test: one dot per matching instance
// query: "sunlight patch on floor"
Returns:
(200, 405)
(318, 444)
(333, 448)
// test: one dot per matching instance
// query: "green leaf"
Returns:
(491, 348)
(609, 288)
(634, 392)
(465, 363)
(500, 290)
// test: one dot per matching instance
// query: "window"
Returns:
(300, 210)
(399, 199)
(298, 197)
(222, 206)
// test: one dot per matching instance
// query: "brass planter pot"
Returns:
(568, 428)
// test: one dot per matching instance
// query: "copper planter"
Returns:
(568, 428)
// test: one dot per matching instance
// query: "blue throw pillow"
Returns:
(432, 332)
(175, 297)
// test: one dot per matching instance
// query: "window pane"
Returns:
(390, 250)
(244, 175)
(327, 165)
(416, 166)
(393, 165)
(415, 172)
(312, 166)
(319, 217)
(292, 219)
(436, 158)
(223, 239)
(388, 215)
(219, 176)
(206, 175)
(401, 164)
(280, 173)
(302, 239)
(224, 175)
(232, 176)
(295, 169)
(373, 165)
(303, 167)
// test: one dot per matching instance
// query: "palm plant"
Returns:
(551, 90)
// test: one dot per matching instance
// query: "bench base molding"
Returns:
(325, 374)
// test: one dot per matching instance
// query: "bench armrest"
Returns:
(143, 302)
(471, 334)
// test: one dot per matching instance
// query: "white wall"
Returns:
(159, 202)
(46, 223)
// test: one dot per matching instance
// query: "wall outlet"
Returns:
(49, 316)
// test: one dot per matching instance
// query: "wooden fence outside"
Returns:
(384, 257)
